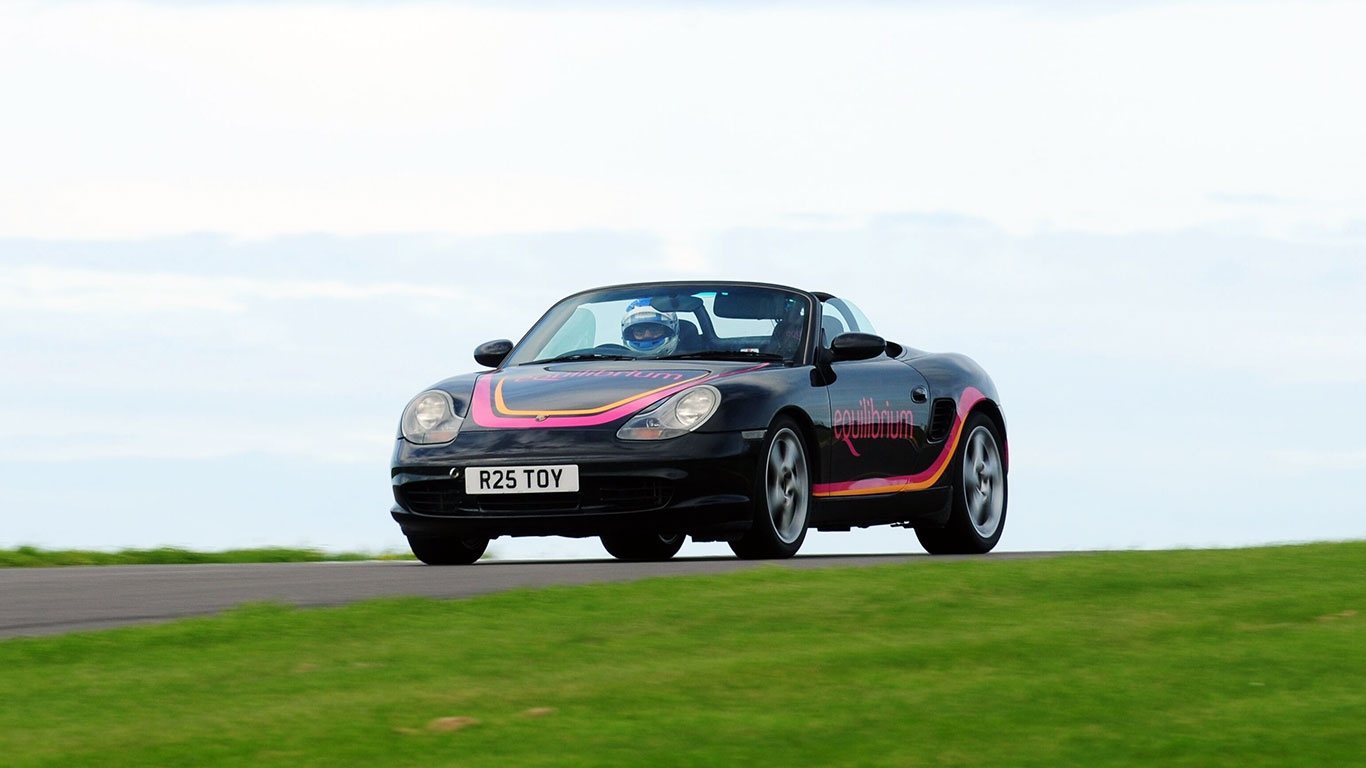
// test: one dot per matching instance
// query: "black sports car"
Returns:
(738, 412)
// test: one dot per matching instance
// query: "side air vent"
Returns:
(941, 418)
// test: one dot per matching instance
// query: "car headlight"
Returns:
(430, 418)
(675, 416)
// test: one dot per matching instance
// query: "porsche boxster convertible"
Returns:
(724, 411)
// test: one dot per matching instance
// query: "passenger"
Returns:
(786, 340)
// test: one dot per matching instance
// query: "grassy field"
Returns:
(33, 557)
(1195, 658)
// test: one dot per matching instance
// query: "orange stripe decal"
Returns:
(877, 485)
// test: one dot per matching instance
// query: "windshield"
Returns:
(671, 322)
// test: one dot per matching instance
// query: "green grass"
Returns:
(32, 557)
(1195, 658)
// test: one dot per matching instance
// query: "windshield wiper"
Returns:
(579, 356)
(723, 354)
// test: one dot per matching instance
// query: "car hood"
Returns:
(585, 394)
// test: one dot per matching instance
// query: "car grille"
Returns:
(596, 494)
(437, 497)
(527, 502)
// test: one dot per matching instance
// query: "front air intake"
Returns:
(942, 415)
(596, 494)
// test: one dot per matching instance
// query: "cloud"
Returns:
(277, 356)
(1205, 300)
(89, 291)
(160, 119)
(1162, 388)
(206, 433)
(1314, 461)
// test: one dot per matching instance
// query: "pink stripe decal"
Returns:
(481, 406)
(873, 485)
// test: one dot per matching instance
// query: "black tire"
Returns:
(782, 496)
(975, 523)
(450, 550)
(642, 547)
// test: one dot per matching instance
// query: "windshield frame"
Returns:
(559, 313)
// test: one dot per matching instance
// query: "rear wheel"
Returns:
(448, 550)
(979, 498)
(642, 546)
(782, 496)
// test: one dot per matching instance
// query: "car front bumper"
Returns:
(700, 484)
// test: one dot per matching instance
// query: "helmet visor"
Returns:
(647, 332)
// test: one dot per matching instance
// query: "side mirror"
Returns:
(857, 346)
(492, 353)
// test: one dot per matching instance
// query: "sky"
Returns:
(237, 237)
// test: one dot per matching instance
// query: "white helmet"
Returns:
(648, 331)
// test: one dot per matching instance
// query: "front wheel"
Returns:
(452, 550)
(642, 547)
(979, 499)
(782, 497)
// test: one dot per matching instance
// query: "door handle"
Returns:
(920, 394)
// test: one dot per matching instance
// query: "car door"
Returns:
(879, 410)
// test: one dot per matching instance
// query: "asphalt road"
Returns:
(44, 601)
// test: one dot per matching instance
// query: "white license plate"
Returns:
(562, 478)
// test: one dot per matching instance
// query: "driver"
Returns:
(648, 331)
